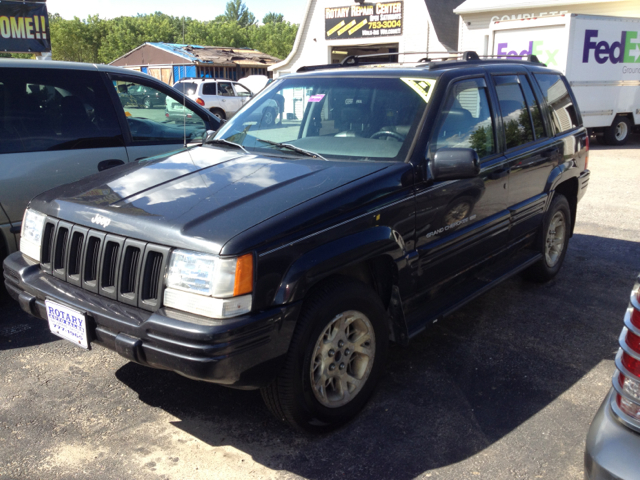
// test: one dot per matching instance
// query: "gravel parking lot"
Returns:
(503, 389)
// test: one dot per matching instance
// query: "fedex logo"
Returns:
(534, 48)
(627, 50)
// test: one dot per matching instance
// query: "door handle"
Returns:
(106, 164)
(503, 172)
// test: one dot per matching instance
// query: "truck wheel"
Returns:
(335, 359)
(552, 241)
(619, 131)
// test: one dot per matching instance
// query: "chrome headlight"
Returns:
(31, 235)
(209, 285)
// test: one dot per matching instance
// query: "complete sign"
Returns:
(365, 20)
(24, 27)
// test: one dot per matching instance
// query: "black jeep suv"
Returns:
(287, 255)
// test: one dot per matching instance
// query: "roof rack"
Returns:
(442, 59)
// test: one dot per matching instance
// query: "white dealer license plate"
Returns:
(67, 323)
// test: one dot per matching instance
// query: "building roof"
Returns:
(445, 21)
(476, 6)
(180, 53)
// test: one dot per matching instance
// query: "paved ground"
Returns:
(503, 389)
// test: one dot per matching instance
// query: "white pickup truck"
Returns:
(600, 57)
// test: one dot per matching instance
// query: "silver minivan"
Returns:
(61, 121)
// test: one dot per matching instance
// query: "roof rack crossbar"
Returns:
(442, 60)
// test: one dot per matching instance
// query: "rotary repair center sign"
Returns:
(24, 27)
(365, 20)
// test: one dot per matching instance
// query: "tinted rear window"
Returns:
(563, 113)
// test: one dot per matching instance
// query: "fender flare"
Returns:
(329, 258)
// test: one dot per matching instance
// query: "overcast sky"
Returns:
(293, 10)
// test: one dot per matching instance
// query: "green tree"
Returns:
(273, 18)
(274, 38)
(238, 12)
(77, 40)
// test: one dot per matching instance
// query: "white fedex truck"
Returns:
(600, 57)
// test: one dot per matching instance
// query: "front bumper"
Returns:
(612, 450)
(242, 352)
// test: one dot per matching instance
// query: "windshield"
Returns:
(363, 118)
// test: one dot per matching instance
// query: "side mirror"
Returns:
(455, 163)
(209, 134)
(123, 89)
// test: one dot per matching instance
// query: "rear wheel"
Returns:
(219, 112)
(619, 131)
(335, 359)
(553, 241)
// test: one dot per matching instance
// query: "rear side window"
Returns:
(209, 88)
(516, 122)
(563, 113)
(49, 109)
(534, 108)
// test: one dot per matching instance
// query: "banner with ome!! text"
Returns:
(24, 27)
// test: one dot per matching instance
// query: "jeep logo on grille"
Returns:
(100, 220)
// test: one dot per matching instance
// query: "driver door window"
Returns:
(166, 121)
(465, 121)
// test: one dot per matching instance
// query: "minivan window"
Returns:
(563, 113)
(163, 120)
(49, 109)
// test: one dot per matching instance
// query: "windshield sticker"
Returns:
(422, 86)
(316, 98)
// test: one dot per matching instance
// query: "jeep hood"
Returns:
(198, 198)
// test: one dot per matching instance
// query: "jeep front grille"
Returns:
(121, 268)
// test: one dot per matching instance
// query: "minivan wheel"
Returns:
(619, 131)
(552, 240)
(335, 359)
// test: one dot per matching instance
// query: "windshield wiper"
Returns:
(294, 148)
(225, 142)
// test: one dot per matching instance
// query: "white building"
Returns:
(476, 16)
(333, 29)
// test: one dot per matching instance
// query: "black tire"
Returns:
(268, 117)
(549, 265)
(619, 131)
(219, 112)
(291, 397)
